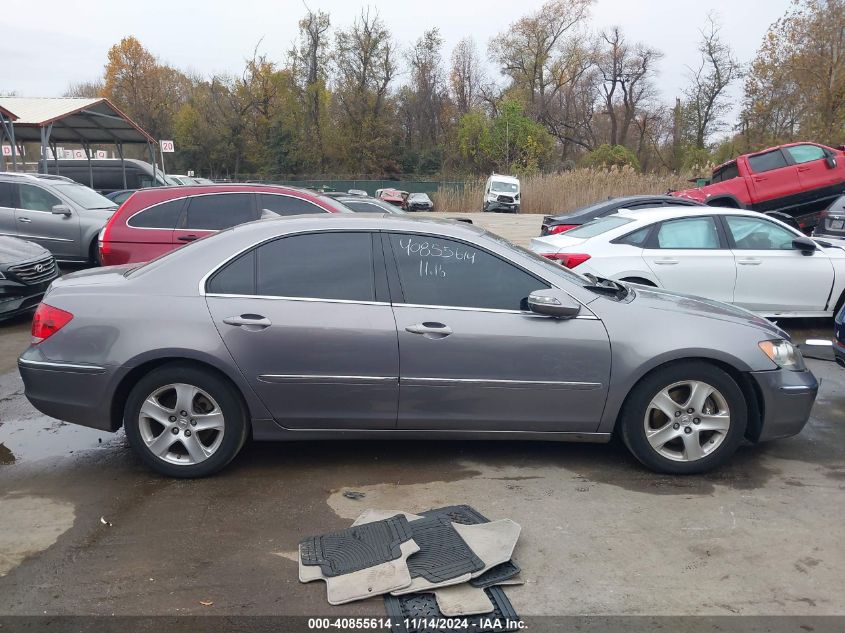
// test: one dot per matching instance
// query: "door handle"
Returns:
(749, 262)
(24, 220)
(187, 238)
(666, 262)
(250, 322)
(759, 178)
(430, 329)
(803, 169)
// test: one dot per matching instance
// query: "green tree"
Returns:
(611, 156)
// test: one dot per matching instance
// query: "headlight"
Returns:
(783, 354)
(2, 276)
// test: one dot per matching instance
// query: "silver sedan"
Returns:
(370, 327)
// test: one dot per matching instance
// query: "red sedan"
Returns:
(154, 221)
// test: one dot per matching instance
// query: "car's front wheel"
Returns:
(184, 421)
(684, 418)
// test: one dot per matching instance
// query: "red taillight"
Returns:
(570, 260)
(561, 228)
(47, 321)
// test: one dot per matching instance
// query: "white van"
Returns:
(501, 194)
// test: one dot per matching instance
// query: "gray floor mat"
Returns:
(364, 583)
(443, 554)
(464, 514)
(499, 573)
(357, 547)
(421, 608)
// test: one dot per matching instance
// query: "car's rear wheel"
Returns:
(184, 421)
(684, 418)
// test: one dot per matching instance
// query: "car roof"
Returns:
(503, 178)
(364, 221)
(679, 210)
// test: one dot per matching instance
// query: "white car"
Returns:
(739, 257)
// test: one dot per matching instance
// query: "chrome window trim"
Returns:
(307, 299)
(211, 193)
(204, 279)
(153, 228)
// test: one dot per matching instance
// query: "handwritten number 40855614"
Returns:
(428, 249)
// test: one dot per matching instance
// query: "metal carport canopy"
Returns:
(48, 120)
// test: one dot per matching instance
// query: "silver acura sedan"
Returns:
(366, 326)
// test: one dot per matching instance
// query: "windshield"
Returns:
(504, 187)
(85, 197)
(418, 196)
(599, 226)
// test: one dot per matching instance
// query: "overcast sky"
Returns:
(44, 49)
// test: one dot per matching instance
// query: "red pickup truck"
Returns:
(799, 179)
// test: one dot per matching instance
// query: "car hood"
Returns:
(13, 250)
(659, 299)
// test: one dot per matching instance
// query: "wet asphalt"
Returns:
(86, 529)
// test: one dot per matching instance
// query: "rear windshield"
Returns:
(599, 226)
(85, 197)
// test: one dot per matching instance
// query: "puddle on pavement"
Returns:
(29, 440)
(27, 435)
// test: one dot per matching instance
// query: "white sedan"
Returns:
(739, 257)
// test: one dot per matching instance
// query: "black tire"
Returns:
(632, 420)
(94, 253)
(235, 431)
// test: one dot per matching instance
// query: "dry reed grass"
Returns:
(559, 193)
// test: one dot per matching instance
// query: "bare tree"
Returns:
(311, 60)
(706, 98)
(87, 89)
(466, 75)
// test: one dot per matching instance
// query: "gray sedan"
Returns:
(369, 327)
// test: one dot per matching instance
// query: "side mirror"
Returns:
(553, 303)
(805, 245)
(830, 159)
(61, 209)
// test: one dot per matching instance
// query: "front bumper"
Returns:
(788, 397)
(17, 298)
(501, 207)
(73, 392)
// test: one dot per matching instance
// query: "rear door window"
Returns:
(218, 211)
(285, 205)
(767, 161)
(6, 199)
(688, 233)
(159, 216)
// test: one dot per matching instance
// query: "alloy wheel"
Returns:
(181, 424)
(687, 420)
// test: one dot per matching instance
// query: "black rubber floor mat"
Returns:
(464, 514)
(357, 547)
(443, 553)
(418, 613)
(497, 574)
